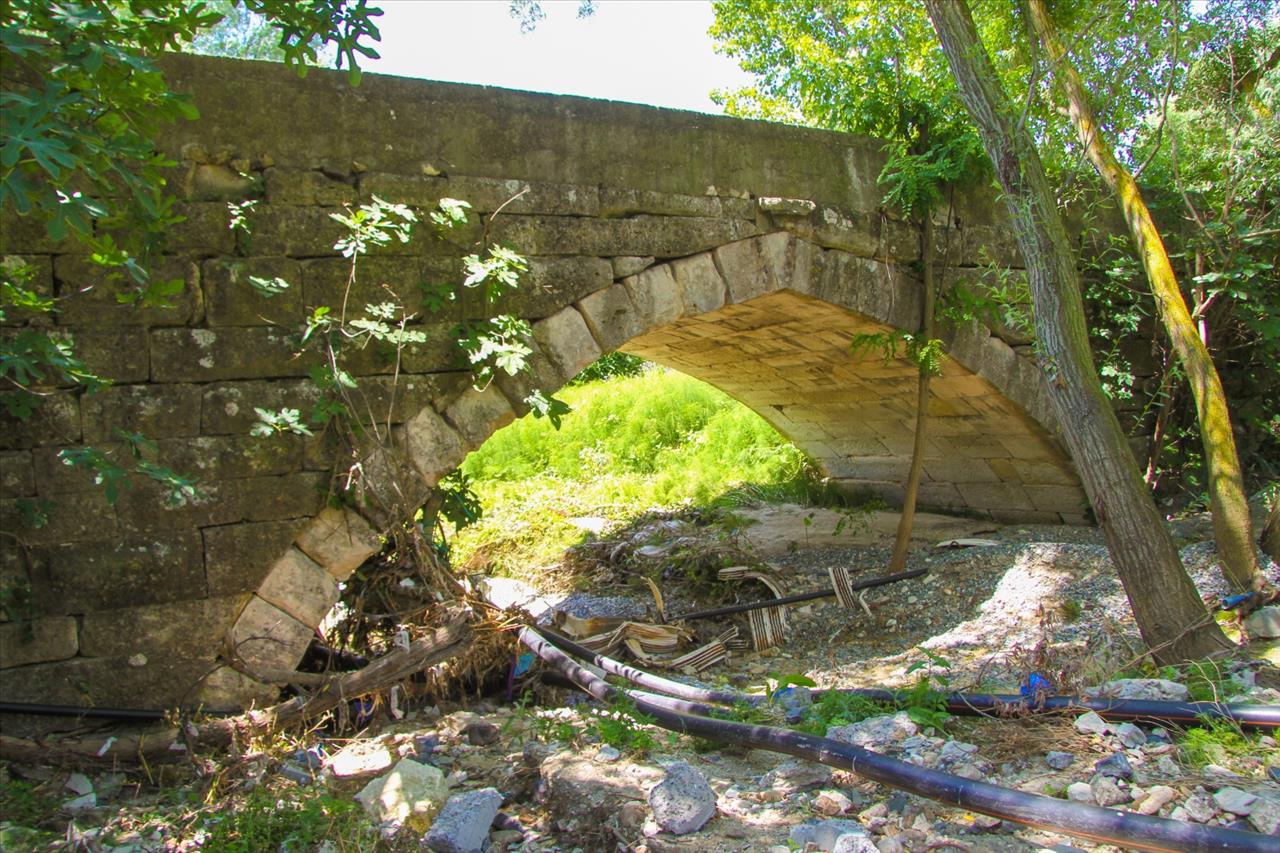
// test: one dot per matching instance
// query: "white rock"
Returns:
(683, 801)
(1090, 723)
(1263, 623)
(1130, 735)
(1265, 817)
(1159, 689)
(1156, 799)
(360, 758)
(1106, 792)
(1080, 792)
(876, 733)
(1235, 800)
(412, 792)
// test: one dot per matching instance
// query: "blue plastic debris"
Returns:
(524, 663)
(362, 710)
(297, 774)
(423, 747)
(1035, 688)
(312, 758)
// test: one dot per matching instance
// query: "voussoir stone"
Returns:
(340, 540)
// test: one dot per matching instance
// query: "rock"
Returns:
(411, 793)
(1263, 623)
(792, 776)
(1090, 723)
(1080, 792)
(608, 753)
(1156, 799)
(1265, 816)
(1059, 760)
(1106, 792)
(876, 733)
(1130, 735)
(1235, 801)
(1200, 807)
(361, 758)
(954, 751)
(1115, 765)
(1158, 689)
(890, 844)
(463, 824)
(683, 801)
(831, 803)
(482, 733)
(835, 836)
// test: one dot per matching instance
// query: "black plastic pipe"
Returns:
(138, 714)
(1256, 717)
(869, 583)
(1112, 826)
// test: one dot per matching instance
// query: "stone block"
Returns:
(388, 487)
(156, 411)
(37, 641)
(56, 420)
(540, 376)
(212, 458)
(227, 408)
(181, 629)
(1058, 499)
(413, 190)
(26, 234)
(617, 201)
(628, 266)
(994, 496)
(209, 355)
(238, 556)
(17, 477)
(80, 577)
(701, 287)
(281, 230)
(38, 270)
(656, 296)
(476, 415)
(611, 316)
(307, 187)
(433, 446)
(1048, 472)
(204, 230)
(224, 689)
(295, 495)
(486, 195)
(163, 682)
(300, 587)
(340, 540)
(86, 296)
(899, 240)
(119, 353)
(147, 507)
(231, 299)
(267, 638)
(218, 182)
(67, 518)
(743, 270)
(833, 228)
(399, 279)
(552, 283)
(567, 343)
(660, 236)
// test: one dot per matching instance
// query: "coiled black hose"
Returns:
(1113, 826)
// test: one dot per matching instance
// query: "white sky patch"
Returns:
(644, 51)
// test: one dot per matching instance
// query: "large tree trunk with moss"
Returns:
(1166, 606)
(1228, 502)
(902, 542)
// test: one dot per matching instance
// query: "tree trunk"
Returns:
(903, 540)
(1228, 503)
(1166, 606)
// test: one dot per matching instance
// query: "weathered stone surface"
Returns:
(300, 587)
(231, 299)
(566, 341)
(37, 641)
(207, 355)
(683, 801)
(267, 638)
(177, 629)
(110, 573)
(237, 557)
(875, 733)
(55, 421)
(661, 236)
(1263, 623)
(433, 446)
(339, 540)
(110, 682)
(87, 297)
(463, 824)
(478, 414)
(655, 295)
(742, 269)
(17, 477)
(611, 316)
(156, 411)
(295, 186)
(701, 286)
(627, 266)
(411, 793)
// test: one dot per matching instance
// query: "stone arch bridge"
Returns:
(742, 253)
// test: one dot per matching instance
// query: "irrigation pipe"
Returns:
(1255, 717)
(1113, 826)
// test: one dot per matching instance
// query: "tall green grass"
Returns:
(657, 440)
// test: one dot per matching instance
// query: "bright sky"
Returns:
(645, 51)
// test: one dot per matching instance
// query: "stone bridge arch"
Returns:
(738, 252)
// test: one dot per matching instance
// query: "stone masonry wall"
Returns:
(740, 252)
